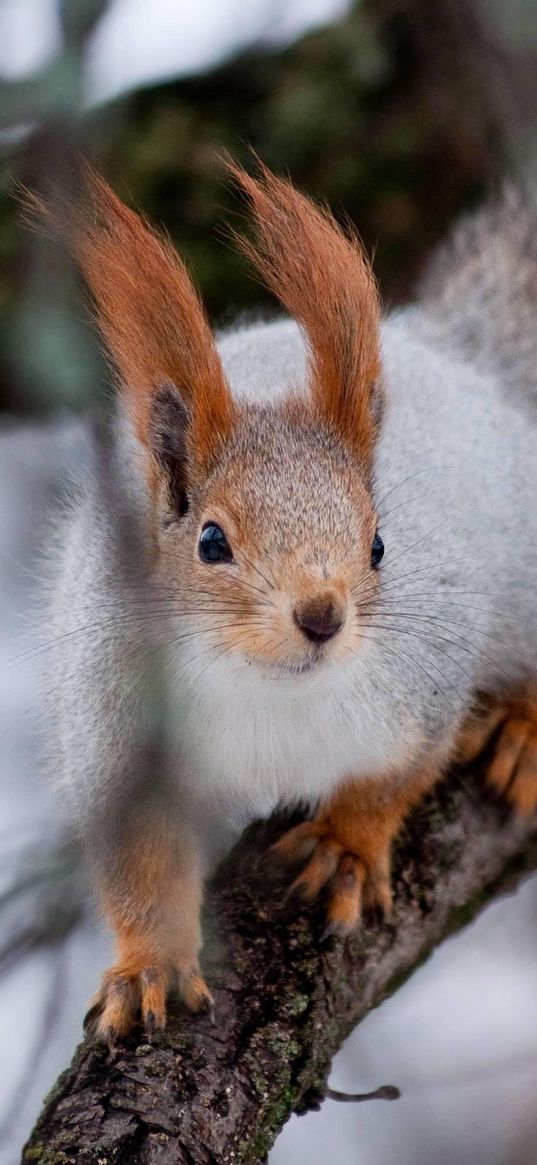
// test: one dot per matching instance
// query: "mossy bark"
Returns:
(219, 1093)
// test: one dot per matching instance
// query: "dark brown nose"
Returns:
(319, 619)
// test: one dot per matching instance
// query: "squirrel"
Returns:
(303, 567)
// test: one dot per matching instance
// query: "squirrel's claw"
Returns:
(194, 991)
(357, 889)
(512, 772)
(297, 844)
(346, 896)
(506, 733)
(320, 868)
(89, 1023)
(125, 993)
(112, 1013)
(154, 983)
(351, 885)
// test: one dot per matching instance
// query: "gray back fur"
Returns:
(480, 292)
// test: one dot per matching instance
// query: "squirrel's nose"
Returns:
(319, 619)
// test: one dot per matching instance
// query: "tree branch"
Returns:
(206, 1094)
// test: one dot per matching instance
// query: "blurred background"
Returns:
(402, 114)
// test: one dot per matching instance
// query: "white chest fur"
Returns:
(248, 740)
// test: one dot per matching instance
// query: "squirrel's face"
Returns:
(278, 549)
(266, 528)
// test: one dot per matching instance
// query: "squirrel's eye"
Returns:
(213, 545)
(377, 551)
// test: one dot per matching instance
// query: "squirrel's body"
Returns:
(184, 705)
(456, 464)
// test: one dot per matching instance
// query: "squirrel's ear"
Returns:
(149, 313)
(323, 278)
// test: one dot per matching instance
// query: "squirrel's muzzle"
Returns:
(320, 618)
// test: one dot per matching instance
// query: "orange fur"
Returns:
(508, 728)
(266, 630)
(348, 845)
(153, 903)
(324, 280)
(147, 309)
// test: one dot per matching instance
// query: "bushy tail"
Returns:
(481, 291)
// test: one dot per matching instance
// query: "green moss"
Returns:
(156, 1069)
(294, 1005)
(273, 1051)
(270, 1121)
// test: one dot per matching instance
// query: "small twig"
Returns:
(385, 1092)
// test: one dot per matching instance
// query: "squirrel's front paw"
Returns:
(354, 878)
(512, 771)
(125, 992)
(128, 993)
(506, 733)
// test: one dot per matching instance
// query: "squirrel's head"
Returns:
(264, 522)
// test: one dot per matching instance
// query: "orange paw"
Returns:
(509, 732)
(352, 883)
(125, 994)
(193, 989)
(512, 771)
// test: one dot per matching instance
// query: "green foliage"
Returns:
(385, 115)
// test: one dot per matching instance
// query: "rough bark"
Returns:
(207, 1093)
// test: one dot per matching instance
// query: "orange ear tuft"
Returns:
(323, 279)
(148, 311)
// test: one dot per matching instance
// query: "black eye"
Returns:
(377, 551)
(213, 545)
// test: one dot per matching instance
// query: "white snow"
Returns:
(140, 42)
